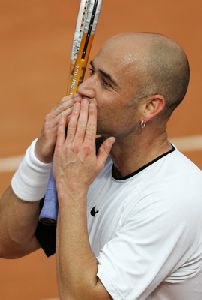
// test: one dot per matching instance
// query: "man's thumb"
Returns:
(108, 143)
(104, 151)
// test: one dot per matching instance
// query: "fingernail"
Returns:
(62, 115)
(84, 100)
(77, 105)
(77, 99)
(93, 101)
(111, 141)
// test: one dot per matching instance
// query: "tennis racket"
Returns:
(87, 20)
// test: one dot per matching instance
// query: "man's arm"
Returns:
(75, 166)
(18, 221)
(20, 204)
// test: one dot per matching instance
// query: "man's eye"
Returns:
(91, 71)
(106, 84)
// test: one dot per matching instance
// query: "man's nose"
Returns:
(85, 89)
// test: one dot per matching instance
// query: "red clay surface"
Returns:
(36, 39)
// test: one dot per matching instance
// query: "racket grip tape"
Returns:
(49, 210)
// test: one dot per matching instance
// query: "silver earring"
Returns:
(142, 124)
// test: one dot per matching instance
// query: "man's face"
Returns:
(112, 84)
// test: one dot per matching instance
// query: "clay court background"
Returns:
(35, 44)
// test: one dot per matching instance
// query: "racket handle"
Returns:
(49, 211)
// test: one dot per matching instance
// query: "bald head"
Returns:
(159, 65)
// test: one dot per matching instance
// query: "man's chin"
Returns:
(102, 132)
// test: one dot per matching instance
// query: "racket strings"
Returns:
(90, 29)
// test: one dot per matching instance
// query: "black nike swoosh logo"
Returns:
(94, 211)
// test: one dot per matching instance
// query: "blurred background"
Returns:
(36, 40)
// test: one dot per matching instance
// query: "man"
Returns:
(129, 224)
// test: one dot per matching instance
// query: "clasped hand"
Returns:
(75, 161)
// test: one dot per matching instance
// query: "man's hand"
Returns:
(75, 167)
(75, 162)
(46, 143)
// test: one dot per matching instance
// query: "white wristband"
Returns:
(30, 181)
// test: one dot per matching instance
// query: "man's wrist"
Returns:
(71, 192)
(30, 181)
(45, 158)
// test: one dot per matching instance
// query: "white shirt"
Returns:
(146, 231)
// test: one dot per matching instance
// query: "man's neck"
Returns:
(131, 153)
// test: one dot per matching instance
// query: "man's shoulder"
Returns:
(183, 160)
(177, 170)
(171, 184)
(183, 173)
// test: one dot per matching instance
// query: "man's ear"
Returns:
(153, 106)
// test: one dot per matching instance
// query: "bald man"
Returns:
(129, 224)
